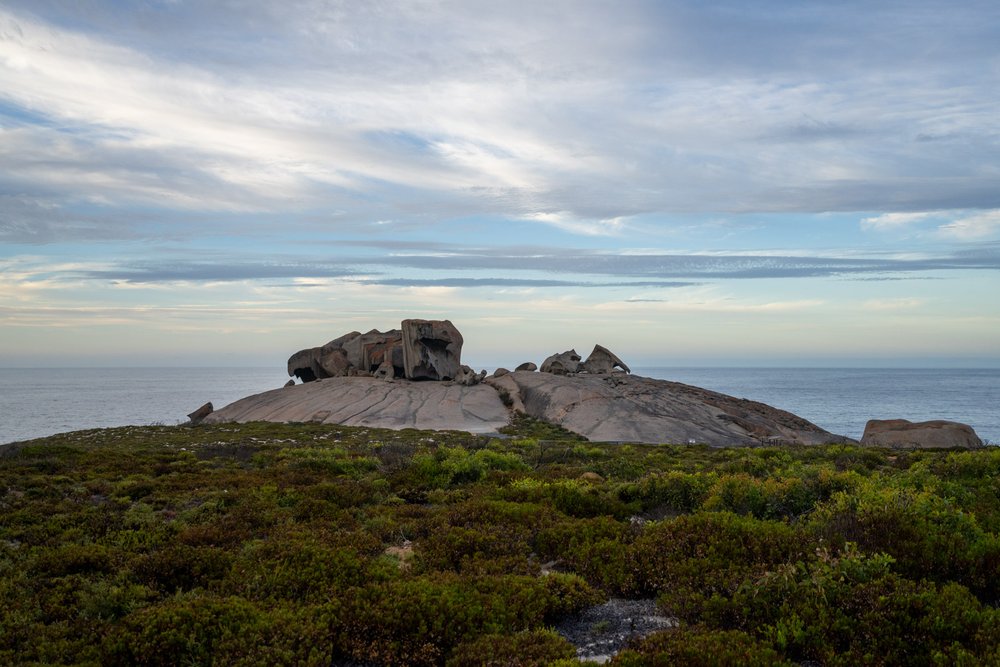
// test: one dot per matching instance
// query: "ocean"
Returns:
(43, 401)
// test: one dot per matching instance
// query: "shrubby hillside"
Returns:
(317, 545)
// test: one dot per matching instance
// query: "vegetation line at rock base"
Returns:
(310, 544)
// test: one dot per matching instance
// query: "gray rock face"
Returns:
(432, 350)
(562, 363)
(602, 360)
(361, 401)
(630, 408)
(199, 415)
(421, 350)
(903, 434)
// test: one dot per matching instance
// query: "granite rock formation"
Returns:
(420, 350)
(432, 350)
(602, 360)
(562, 363)
(904, 434)
(630, 408)
(371, 379)
(363, 401)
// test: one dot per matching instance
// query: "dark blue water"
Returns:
(841, 400)
(40, 402)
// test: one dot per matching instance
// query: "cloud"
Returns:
(905, 303)
(514, 110)
(537, 267)
(515, 282)
(888, 221)
(974, 227)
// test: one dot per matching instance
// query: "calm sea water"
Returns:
(39, 402)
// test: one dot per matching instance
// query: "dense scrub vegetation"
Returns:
(316, 545)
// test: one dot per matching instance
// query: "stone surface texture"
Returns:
(630, 408)
(361, 401)
(602, 360)
(904, 434)
(432, 350)
(420, 350)
(614, 407)
(562, 363)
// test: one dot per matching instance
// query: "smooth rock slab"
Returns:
(362, 401)
(631, 408)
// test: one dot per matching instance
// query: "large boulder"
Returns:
(562, 363)
(630, 408)
(317, 363)
(602, 360)
(368, 351)
(368, 401)
(432, 350)
(904, 434)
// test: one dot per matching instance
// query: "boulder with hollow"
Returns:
(562, 363)
(601, 361)
(432, 350)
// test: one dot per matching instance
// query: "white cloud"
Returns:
(567, 221)
(905, 303)
(974, 227)
(888, 221)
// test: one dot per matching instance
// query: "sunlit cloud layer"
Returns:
(171, 166)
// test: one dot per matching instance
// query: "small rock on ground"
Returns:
(602, 631)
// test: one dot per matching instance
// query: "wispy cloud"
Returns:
(973, 227)
(893, 220)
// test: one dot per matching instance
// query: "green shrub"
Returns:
(181, 567)
(693, 561)
(532, 648)
(699, 646)
(852, 609)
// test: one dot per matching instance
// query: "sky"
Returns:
(745, 182)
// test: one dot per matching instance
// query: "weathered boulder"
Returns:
(904, 434)
(602, 360)
(527, 366)
(432, 350)
(500, 372)
(199, 415)
(316, 363)
(562, 363)
(435, 349)
(385, 371)
(368, 351)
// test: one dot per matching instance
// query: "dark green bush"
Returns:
(532, 648)
(699, 647)
(693, 561)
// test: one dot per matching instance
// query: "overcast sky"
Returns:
(688, 183)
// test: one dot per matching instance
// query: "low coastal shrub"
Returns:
(312, 544)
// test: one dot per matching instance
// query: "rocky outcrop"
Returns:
(602, 360)
(371, 379)
(527, 366)
(420, 350)
(562, 363)
(199, 415)
(629, 408)
(904, 434)
(432, 350)
(361, 401)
